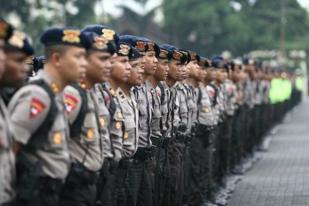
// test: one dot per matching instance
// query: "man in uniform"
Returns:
(113, 141)
(7, 159)
(141, 183)
(130, 124)
(249, 104)
(159, 121)
(87, 114)
(175, 131)
(39, 120)
(202, 144)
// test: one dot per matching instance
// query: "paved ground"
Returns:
(281, 176)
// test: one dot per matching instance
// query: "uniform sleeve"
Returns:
(72, 100)
(116, 131)
(28, 108)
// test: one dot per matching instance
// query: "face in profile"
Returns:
(174, 71)
(2, 58)
(121, 69)
(98, 66)
(137, 72)
(16, 69)
(150, 62)
(162, 70)
(72, 64)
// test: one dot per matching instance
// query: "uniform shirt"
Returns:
(206, 114)
(87, 147)
(213, 94)
(191, 106)
(265, 87)
(230, 92)
(258, 92)
(113, 143)
(130, 123)
(7, 158)
(249, 93)
(195, 108)
(240, 94)
(156, 112)
(166, 121)
(173, 114)
(144, 103)
(183, 106)
(29, 108)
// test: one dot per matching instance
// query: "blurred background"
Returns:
(263, 28)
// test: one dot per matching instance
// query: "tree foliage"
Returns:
(218, 26)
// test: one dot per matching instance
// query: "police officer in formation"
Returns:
(104, 119)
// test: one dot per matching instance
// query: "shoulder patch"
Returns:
(70, 102)
(36, 107)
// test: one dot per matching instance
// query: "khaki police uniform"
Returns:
(44, 159)
(86, 145)
(7, 157)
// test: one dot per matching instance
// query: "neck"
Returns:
(170, 82)
(191, 81)
(89, 84)
(153, 81)
(126, 88)
(113, 83)
(56, 77)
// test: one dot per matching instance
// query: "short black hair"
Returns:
(50, 50)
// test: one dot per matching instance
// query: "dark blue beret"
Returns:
(19, 41)
(6, 30)
(204, 62)
(194, 56)
(99, 43)
(104, 31)
(124, 48)
(151, 45)
(217, 62)
(141, 43)
(187, 55)
(246, 60)
(38, 63)
(164, 54)
(175, 53)
(134, 54)
(64, 36)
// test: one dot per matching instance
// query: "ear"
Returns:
(56, 59)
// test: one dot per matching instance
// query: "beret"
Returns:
(64, 36)
(175, 53)
(99, 43)
(6, 30)
(19, 41)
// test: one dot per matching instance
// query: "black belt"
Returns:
(144, 153)
(159, 141)
(79, 175)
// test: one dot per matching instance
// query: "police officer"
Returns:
(130, 138)
(87, 115)
(175, 130)
(18, 49)
(7, 159)
(190, 84)
(113, 140)
(229, 91)
(39, 120)
(141, 183)
(248, 103)
(158, 124)
(202, 158)
(237, 141)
